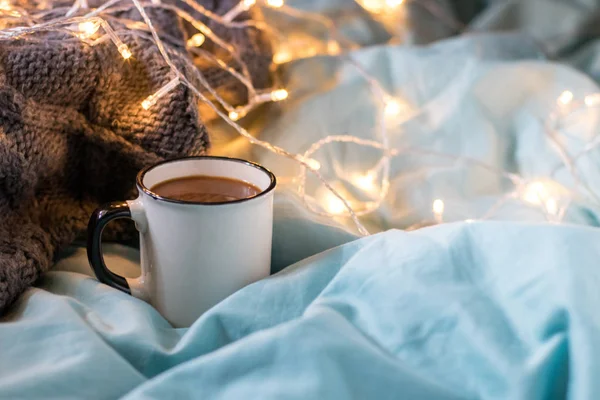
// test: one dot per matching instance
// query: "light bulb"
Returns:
(534, 193)
(248, 3)
(282, 57)
(438, 207)
(333, 48)
(551, 206)
(88, 28)
(380, 6)
(545, 193)
(124, 50)
(275, 3)
(153, 98)
(392, 108)
(234, 115)
(149, 102)
(592, 100)
(5, 5)
(196, 41)
(312, 163)
(279, 94)
(565, 97)
(393, 3)
(333, 204)
(365, 181)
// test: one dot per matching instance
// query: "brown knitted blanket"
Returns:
(73, 134)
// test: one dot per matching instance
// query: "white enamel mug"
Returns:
(193, 254)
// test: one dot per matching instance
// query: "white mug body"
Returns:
(194, 255)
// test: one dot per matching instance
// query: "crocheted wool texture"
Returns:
(73, 134)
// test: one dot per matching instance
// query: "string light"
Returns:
(153, 98)
(234, 115)
(394, 3)
(279, 95)
(282, 57)
(239, 8)
(124, 50)
(196, 40)
(275, 3)
(88, 28)
(380, 6)
(392, 108)
(565, 97)
(333, 48)
(592, 100)
(332, 204)
(331, 199)
(311, 162)
(438, 210)
(365, 181)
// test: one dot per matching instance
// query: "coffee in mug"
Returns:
(206, 189)
(206, 226)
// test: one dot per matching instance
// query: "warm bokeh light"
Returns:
(438, 209)
(234, 115)
(275, 3)
(333, 205)
(124, 50)
(392, 108)
(380, 6)
(565, 97)
(365, 181)
(279, 94)
(88, 28)
(196, 41)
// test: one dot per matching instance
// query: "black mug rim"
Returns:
(143, 188)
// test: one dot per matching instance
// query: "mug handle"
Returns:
(98, 221)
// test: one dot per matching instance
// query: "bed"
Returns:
(488, 304)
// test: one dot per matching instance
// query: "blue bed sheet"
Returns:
(483, 310)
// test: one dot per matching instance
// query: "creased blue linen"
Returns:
(448, 312)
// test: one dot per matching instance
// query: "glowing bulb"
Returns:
(333, 48)
(380, 6)
(333, 204)
(365, 181)
(279, 94)
(88, 28)
(149, 102)
(392, 108)
(534, 193)
(234, 115)
(275, 3)
(282, 57)
(393, 3)
(592, 100)
(124, 50)
(565, 97)
(438, 207)
(314, 164)
(248, 3)
(5, 5)
(153, 98)
(551, 206)
(196, 41)
(544, 194)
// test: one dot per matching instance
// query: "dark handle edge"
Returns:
(98, 221)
